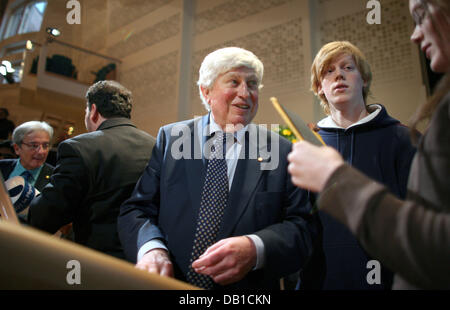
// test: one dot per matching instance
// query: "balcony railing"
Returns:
(67, 69)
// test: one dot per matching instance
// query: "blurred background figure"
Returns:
(7, 150)
(6, 125)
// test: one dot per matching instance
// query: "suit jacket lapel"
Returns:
(8, 168)
(43, 178)
(195, 167)
(246, 178)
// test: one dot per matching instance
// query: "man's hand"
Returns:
(311, 166)
(156, 261)
(228, 260)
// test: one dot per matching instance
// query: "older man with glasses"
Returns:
(31, 142)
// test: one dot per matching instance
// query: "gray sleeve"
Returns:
(405, 236)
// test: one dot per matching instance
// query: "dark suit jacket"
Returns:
(166, 201)
(8, 165)
(95, 173)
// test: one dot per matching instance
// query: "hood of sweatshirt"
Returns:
(377, 117)
(341, 138)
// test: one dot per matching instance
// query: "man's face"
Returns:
(32, 157)
(233, 98)
(342, 83)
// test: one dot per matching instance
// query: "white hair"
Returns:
(223, 60)
(21, 131)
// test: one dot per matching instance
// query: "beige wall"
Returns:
(162, 42)
(394, 60)
(149, 41)
(145, 35)
(277, 32)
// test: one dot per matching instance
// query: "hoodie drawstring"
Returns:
(338, 145)
(337, 135)
(352, 147)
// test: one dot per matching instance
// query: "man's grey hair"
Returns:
(223, 60)
(29, 127)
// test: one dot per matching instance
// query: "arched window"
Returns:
(27, 17)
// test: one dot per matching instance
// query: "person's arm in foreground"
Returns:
(403, 235)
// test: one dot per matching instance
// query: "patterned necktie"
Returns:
(27, 176)
(213, 201)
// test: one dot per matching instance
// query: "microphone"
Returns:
(21, 192)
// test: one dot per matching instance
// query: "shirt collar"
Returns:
(35, 172)
(328, 122)
(214, 127)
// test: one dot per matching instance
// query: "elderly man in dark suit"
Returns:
(31, 142)
(227, 216)
(95, 172)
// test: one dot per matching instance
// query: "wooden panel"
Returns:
(32, 259)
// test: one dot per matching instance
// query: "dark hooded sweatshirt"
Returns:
(379, 146)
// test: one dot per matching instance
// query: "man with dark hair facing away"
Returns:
(95, 172)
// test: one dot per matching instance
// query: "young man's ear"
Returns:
(320, 90)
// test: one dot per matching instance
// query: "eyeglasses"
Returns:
(419, 14)
(35, 146)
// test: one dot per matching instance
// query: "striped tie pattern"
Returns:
(213, 201)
